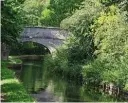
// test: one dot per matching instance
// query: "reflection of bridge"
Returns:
(50, 37)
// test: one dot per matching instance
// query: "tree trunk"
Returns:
(4, 51)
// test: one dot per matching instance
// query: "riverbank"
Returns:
(28, 57)
(110, 80)
(12, 90)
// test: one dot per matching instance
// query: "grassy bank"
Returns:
(11, 88)
(11, 60)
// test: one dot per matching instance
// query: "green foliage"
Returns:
(58, 10)
(108, 27)
(11, 87)
(47, 17)
(11, 61)
(109, 2)
(59, 64)
(32, 11)
(126, 87)
(11, 20)
(110, 39)
(107, 70)
(81, 46)
(14, 60)
(6, 73)
(98, 41)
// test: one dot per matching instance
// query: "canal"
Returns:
(53, 88)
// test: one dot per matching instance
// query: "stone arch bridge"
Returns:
(50, 37)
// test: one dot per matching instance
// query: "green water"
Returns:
(56, 88)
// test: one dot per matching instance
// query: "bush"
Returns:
(110, 70)
(59, 64)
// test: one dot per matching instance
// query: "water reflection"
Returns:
(32, 76)
(53, 88)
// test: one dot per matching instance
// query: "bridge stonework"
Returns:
(50, 37)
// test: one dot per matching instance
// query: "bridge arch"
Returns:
(50, 37)
(51, 49)
(36, 47)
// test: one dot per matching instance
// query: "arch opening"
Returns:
(30, 48)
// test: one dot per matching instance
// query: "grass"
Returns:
(14, 60)
(11, 60)
(12, 89)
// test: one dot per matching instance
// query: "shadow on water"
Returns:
(52, 88)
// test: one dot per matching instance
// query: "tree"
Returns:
(11, 21)
(99, 29)
(32, 11)
(59, 10)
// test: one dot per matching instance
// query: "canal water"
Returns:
(54, 88)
